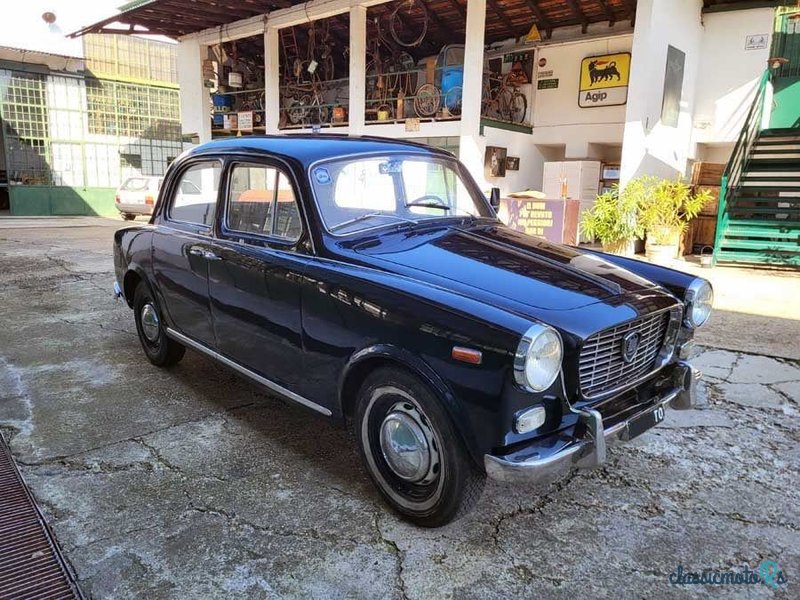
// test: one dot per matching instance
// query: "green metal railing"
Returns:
(738, 163)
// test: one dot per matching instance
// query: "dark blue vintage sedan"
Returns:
(370, 281)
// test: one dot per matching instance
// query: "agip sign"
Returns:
(604, 80)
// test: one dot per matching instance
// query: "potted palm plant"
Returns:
(665, 213)
(613, 218)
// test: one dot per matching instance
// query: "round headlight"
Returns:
(538, 358)
(699, 300)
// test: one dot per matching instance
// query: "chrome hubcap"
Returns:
(407, 445)
(150, 322)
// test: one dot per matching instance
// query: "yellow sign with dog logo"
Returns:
(604, 80)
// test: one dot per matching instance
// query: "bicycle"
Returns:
(503, 100)
(399, 18)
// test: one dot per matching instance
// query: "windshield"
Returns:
(360, 193)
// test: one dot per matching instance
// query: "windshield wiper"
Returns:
(428, 205)
(343, 224)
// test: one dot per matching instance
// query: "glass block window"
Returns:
(25, 127)
(73, 131)
(126, 57)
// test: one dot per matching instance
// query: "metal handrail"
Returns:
(740, 157)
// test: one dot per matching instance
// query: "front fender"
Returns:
(674, 281)
(359, 365)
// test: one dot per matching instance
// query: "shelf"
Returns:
(237, 92)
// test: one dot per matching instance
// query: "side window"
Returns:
(261, 200)
(195, 198)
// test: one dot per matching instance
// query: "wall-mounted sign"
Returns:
(757, 41)
(542, 62)
(246, 120)
(673, 87)
(512, 163)
(412, 124)
(545, 74)
(533, 34)
(604, 80)
(547, 84)
(521, 67)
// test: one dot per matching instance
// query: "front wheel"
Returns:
(160, 349)
(412, 451)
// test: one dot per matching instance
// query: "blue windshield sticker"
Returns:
(322, 176)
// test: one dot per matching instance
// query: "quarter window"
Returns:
(195, 199)
(262, 201)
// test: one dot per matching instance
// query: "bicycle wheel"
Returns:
(427, 100)
(452, 100)
(407, 8)
(519, 107)
(298, 109)
(504, 99)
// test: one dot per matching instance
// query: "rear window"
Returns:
(135, 184)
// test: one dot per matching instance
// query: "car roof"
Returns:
(310, 148)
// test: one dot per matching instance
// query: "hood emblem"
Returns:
(630, 344)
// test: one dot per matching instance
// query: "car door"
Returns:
(255, 287)
(182, 249)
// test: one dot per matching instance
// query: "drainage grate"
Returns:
(31, 565)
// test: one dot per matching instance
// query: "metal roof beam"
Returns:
(579, 14)
(609, 12)
(542, 22)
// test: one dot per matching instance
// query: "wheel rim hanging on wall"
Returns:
(427, 100)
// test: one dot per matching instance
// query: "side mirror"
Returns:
(494, 198)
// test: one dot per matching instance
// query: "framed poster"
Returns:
(604, 80)
(673, 87)
(494, 161)
(512, 163)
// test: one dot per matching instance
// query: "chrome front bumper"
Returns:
(591, 451)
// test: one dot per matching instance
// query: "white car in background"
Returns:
(137, 196)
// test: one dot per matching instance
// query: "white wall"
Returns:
(531, 161)
(559, 106)
(650, 146)
(729, 74)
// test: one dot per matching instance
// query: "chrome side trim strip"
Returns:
(267, 383)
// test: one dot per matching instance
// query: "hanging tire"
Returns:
(160, 350)
(412, 450)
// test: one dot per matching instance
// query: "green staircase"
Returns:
(759, 212)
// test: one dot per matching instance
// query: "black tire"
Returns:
(453, 483)
(160, 349)
(128, 216)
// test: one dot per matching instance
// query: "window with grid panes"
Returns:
(25, 127)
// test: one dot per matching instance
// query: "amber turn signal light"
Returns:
(467, 355)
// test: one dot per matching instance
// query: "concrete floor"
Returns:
(190, 483)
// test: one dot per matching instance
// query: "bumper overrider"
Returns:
(559, 455)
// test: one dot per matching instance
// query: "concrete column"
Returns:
(272, 80)
(470, 146)
(651, 147)
(358, 69)
(195, 105)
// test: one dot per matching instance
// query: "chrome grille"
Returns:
(602, 367)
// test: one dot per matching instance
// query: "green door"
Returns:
(786, 44)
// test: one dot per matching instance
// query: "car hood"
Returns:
(502, 262)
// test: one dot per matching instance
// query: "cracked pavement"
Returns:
(191, 483)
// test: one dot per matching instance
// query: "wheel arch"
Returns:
(364, 361)
(133, 276)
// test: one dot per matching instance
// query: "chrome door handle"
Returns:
(207, 254)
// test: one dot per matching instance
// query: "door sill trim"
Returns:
(267, 383)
